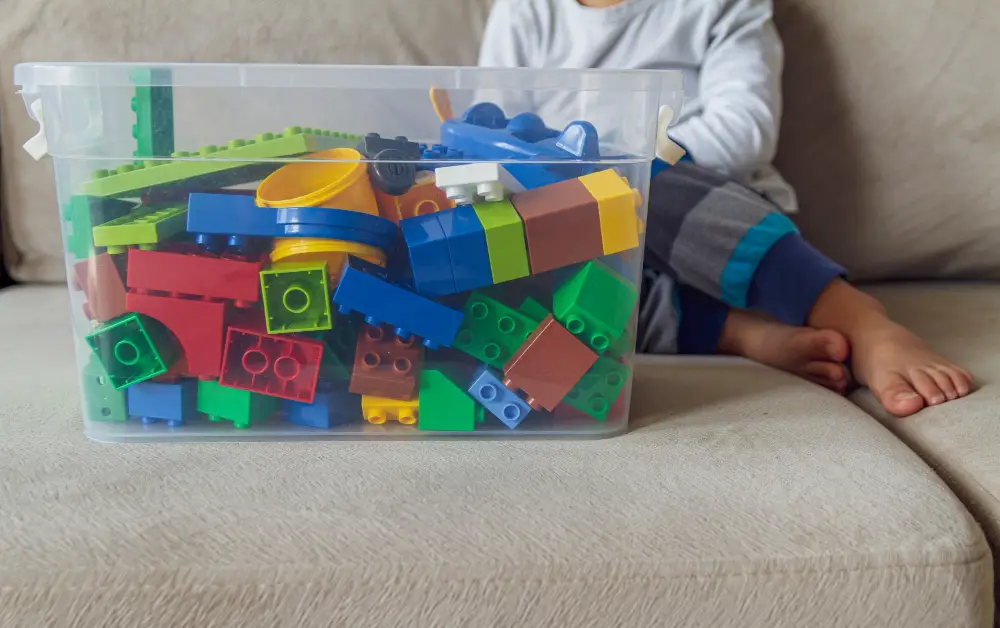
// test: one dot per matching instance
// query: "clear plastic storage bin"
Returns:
(284, 251)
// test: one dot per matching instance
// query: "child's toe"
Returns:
(944, 382)
(898, 396)
(924, 384)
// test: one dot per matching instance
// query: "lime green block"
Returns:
(504, 240)
(215, 166)
(598, 390)
(296, 297)
(133, 348)
(595, 304)
(444, 406)
(145, 228)
(101, 402)
(86, 212)
(242, 407)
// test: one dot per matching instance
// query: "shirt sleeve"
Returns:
(740, 88)
(509, 38)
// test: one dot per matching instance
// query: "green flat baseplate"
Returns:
(145, 228)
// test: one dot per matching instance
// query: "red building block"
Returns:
(562, 225)
(198, 325)
(185, 270)
(548, 365)
(101, 281)
(385, 365)
(280, 366)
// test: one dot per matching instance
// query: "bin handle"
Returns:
(37, 146)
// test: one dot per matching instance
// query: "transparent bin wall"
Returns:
(89, 118)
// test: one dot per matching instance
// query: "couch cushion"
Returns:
(741, 497)
(960, 438)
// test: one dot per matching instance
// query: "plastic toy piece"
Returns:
(430, 260)
(143, 227)
(101, 281)
(436, 156)
(597, 391)
(185, 272)
(242, 407)
(488, 390)
(441, 101)
(423, 198)
(198, 325)
(595, 305)
(101, 402)
(296, 297)
(86, 212)
(153, 105)
(173, 404)
(342, 340)
(333, 406)
(333, 252)
(482, 181)
(279, 366)
(363, 288)
(234, 216)
(508, 253)
(491, 332)
(386, 169)
(561, 224)
(334, 178)
(240, 161)
(336, 224)
(132, 349)
(378, 410)
(385, 365)
(548, 365)
(616, 204)
(533, 309)
(470, 259)
(444, 406)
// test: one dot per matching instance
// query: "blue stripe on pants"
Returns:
(738, 274)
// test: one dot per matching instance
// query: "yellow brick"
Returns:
(378, 410)
(616, 203)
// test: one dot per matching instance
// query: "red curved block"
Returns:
(99, 279)
(188, 270)
(198, 325)
(279, 366)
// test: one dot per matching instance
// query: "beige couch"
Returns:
(740, 497)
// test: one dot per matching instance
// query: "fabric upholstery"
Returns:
(741, 497)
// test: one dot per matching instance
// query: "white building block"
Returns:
(471, 183)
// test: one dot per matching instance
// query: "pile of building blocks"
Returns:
(383, 300)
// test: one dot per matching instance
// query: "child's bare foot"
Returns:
(814, 354)
(899, 368)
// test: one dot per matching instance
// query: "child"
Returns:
(746, 282)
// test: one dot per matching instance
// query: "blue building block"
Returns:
(436, 155)
(430, 262)
(234, 216)
(336, 224)
(470, 259)
(364, 288)
(488, 390)
(332, 406)
(155, 401)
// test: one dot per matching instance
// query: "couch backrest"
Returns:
(891, 133)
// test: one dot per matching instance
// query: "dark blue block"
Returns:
(324, 216)
(362, 288)
(333, 405)
(532, 176)
(430, 261)
(156, 401)
(489, 391)
(470, 259)
(230, 214)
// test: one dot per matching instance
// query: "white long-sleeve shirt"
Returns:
(728, 50)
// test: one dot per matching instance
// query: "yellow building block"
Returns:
(616, 204)
(378, 410)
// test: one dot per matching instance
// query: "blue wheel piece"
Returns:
(338, 233)
(343, 218)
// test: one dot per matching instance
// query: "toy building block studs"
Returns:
(423, 198)
(296, 298)
(597, 391)
(187, 270)
(548, 365)
(101, 402)
(482, 181)
(333, 406)
(444, 406)
(153, 105)
(279, 366)
(144, 227)
(505, 244)
(172, 403)
(378, 410)
(470, 260)
(616, 204)
(334, 178)
(132, 349)
(385, 365)
(242, 407)
(562, 225)
(488, 390)
(100, 280)
(86, 212)
(492, 332)
(363, 288)
(595, 304)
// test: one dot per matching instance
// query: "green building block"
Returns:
(296, 297)
(83, 213)
(153, 105)
(341, 344)
(242, 407)
(598, 390)
(444, 406)
(595, 304)
(533, 309)
(133, 348)
(101, 402)
(144, 227)
(215, 166)
(504, 240)
(492, 332)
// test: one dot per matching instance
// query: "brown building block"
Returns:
(385, 365)
(562, 224)
(548, 365)
(101, 281)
